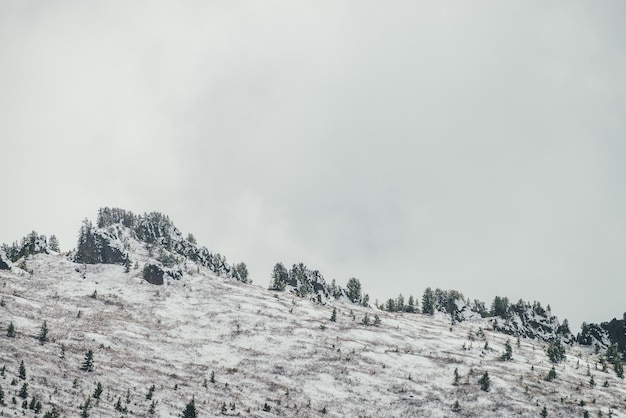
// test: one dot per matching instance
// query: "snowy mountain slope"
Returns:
(272, 353)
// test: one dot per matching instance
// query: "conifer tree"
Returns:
(619, 369)
(22, 371)
(280, 276)
(508, 352)
(551, 375)
(11, 330)
(88, 363)
(52, 413)
(428, 302)
(53, 243)
(456, 377)
(190, 409)
(354, 290)
(376, 320)
(485, 382)
(97, 391)
(333, 316)
(24, 391)
(2, 397)
(410, 305)
(544, 412)
(43, 334)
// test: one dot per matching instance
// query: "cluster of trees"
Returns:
(306, 282)
(399, 305)
(32, 243)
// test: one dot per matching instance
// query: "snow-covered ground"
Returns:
(268, 350)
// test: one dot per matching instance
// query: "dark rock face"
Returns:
(5, 264)
(154, 273)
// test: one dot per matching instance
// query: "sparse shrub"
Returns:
(11, 330)
(52, 413)
(456, 407)
(223, 409)
(485, 382)
(366, 319)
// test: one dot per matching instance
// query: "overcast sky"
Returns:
(479, 146)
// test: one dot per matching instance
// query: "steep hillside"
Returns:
(168, 323)
(267, 350)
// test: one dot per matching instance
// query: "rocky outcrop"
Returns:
(155, 273)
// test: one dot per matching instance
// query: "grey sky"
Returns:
(479, 146)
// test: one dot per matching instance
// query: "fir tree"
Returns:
(190, 409)
(212, 376)
(508, 352)
(11, 330)
(2, 397)
(400, 303)
(151, 392)
(85, 408)
(53, 243)
(354, 290)
(88, 363)
(485, 382)
(333, 316)
(619, 369)
(410, 305)
(428, 302)
(97, 391)
(456, 377)
(24, 391)
(456, 407)
(22, 371)
(280, 276)
(43, 334)
(556, 351)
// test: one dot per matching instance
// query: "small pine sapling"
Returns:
(22, 371)
(456, 377)
(150, 392)
(485, 382)
(11, 330)
(508, 352)
(24, 391)
(333, 316)
(190, 409)
(43, 334)
(551, 375)
(456, 407)
(544, 412)
(97, 391)
(88, 363)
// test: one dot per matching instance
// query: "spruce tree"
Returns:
(333, 316)
(53, 243)
(43, 334)
(556, 351)
(456, 377)
(11, 330)
(551, 375)
(97, 391)
(190, 409)
(88, 363)
(2, 397)
(485, 382)
(354, 290)
(280, 276)
(428, 302)
(22, 371)
(410, 305)
(24, 391)
(508, 352)
(619, 369)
